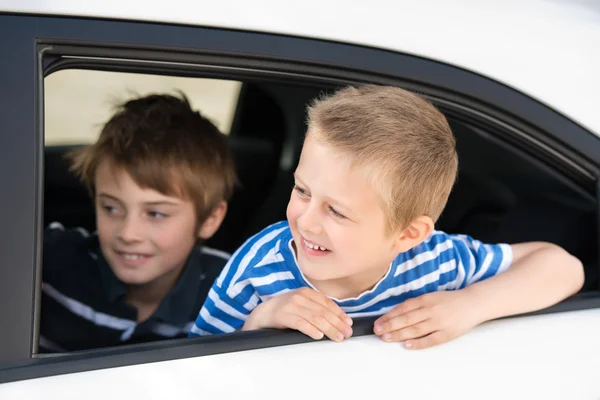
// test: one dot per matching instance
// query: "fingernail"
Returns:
(377, 329)
(387, 336)
(408, 345)
(349, 321)
(339, 337)
(348, 332)
(321, 335)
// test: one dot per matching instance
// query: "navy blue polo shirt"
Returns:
(83, 302)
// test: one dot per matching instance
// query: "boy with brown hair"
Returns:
(160, 175)
(376, 170)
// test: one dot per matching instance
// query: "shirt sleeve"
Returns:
(219, 314)
(476, 261)
(232, 297)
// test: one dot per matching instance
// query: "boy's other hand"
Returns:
(305, 310)
(428, 320)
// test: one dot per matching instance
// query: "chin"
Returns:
(130, 277)
(316, 273)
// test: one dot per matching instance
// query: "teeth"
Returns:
(132, 256)
(314, 246)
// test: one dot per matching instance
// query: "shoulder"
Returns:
(213, 256)
(265, 240)
(63, 242)
(434, 245)
(65, 249)
(439, 242)
(461, 247)
(263, 249)
(55, 233)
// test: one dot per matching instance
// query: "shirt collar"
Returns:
(292, 263)
(180, 302)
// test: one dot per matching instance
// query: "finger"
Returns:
(330, 305)
(326, 308)
(340, 324)
(401, 321)
(300, 324)
(312, 306)
(412, 332)
(406, 306)
(428, 341)
(321, 323)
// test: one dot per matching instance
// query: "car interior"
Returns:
(501, 195)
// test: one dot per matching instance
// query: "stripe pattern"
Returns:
(265, 266)
(83, 303)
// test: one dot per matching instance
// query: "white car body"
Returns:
(546, 49)
(538, 357)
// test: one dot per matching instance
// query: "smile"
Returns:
(132, 256)
(313, 246)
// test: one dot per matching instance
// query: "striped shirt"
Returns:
(83, 302)
(265, 266)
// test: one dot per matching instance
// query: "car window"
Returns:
(81, 289)
(493, 201)
(507, 180)
(78, 102)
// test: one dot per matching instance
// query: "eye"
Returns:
(157, 215)
(336, 214)
(109, 209)
(301, 191)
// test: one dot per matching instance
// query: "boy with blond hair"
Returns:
(376, 170)
(160, 175)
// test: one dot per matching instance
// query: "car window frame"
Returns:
(214, 52)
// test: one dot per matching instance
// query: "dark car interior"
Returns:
(500, 194)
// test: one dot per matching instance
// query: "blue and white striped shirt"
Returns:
(265, 266)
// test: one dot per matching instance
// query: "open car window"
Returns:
(529, 173)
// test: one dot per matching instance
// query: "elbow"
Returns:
(579, 275)
(570, 268)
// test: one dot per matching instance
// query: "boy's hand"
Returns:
(428, 320)
(305, 310)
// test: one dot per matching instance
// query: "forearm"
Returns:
(536, 280)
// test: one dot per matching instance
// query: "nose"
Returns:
(310, 221)
(131, 229)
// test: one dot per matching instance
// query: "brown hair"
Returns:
(166, 146)
(403, 142)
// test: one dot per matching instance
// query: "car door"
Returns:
(549, 353)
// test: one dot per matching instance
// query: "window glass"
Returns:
(79, 102)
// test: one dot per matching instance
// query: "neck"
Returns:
(351, 286)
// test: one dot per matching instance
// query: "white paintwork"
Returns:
(545, 48)
(542, 357)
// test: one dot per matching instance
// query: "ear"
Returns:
(213, 221)
(417, 231)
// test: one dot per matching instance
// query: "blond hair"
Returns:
(163, 145)
(403, 144)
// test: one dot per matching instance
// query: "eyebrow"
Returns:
(161, 203)
(149, 203)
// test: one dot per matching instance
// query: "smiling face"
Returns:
(144, 235)
(338, 224)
